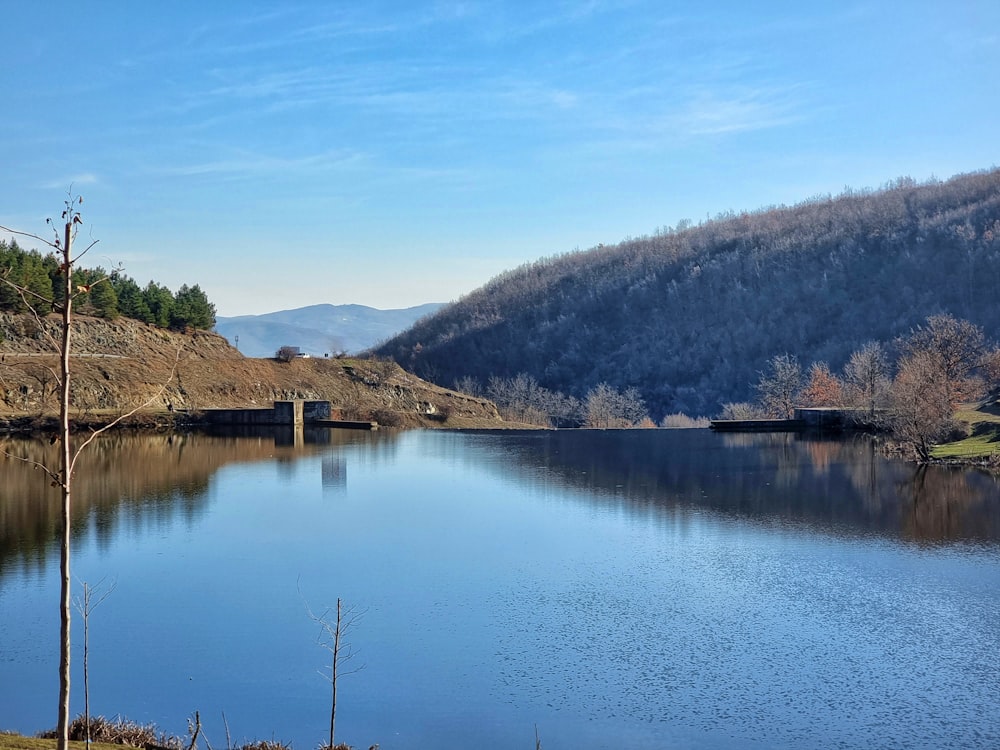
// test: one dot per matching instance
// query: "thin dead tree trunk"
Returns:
(65, 474)
(332, 638)
(87, 591)
(93, 597)
(333, 672)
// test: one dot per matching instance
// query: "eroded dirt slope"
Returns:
(119, 364)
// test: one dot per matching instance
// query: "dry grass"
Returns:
(117, 731)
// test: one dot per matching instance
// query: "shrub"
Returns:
(741, 410)
(387, 417)
(683, 421)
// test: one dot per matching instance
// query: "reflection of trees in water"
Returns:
(823, 454)
(863, 471)
(158, 472)
(940, 503)
(841, 485)
(139, 481)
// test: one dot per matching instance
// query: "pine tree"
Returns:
(192, 309)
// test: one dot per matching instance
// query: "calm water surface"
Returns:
(645, 589)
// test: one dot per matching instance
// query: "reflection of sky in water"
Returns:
(511, 581)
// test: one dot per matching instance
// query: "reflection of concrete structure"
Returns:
(295, 413)
(334, 473)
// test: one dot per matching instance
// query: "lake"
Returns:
(640, 589)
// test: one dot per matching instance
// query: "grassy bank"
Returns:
(983, 441)
(12, 741)
(20, 742)
(119, 733)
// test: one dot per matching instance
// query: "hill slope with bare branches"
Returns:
(690, 317)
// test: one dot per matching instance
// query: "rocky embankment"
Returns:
(121, 364)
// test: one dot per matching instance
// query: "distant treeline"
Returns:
(690, 317)
(99, 292)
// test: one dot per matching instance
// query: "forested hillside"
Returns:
(690, 317)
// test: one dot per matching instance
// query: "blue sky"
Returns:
(395, 153)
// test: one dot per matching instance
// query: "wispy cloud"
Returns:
(717, 113)
(257, 164)
(64, 183)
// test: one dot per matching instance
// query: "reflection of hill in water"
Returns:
(121, 477)
(834, 485)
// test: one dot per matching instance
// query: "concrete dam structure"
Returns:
(284, 413)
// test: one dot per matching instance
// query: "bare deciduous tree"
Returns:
(741, 410)
(921, 408)
(522, 399)
(935, 374)
(93, 597)
(778, 387)
(606, 407)
(468, 384)
(331, 637)
(958, 347)
(866, 378)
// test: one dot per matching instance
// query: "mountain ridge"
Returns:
(319, 329)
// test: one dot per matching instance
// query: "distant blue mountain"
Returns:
(319, 329)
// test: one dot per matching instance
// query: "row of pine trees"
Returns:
(102, 293)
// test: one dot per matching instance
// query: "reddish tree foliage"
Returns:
(823, 387)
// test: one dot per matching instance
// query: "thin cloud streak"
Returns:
(65, 183)
(258, 164)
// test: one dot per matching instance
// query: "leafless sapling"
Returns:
(93, 597)
(331, 637)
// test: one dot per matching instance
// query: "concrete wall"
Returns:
(294, 413)
(315, 410)
(288, 412)
(240, 416)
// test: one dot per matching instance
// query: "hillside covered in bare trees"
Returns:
(690, 317)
